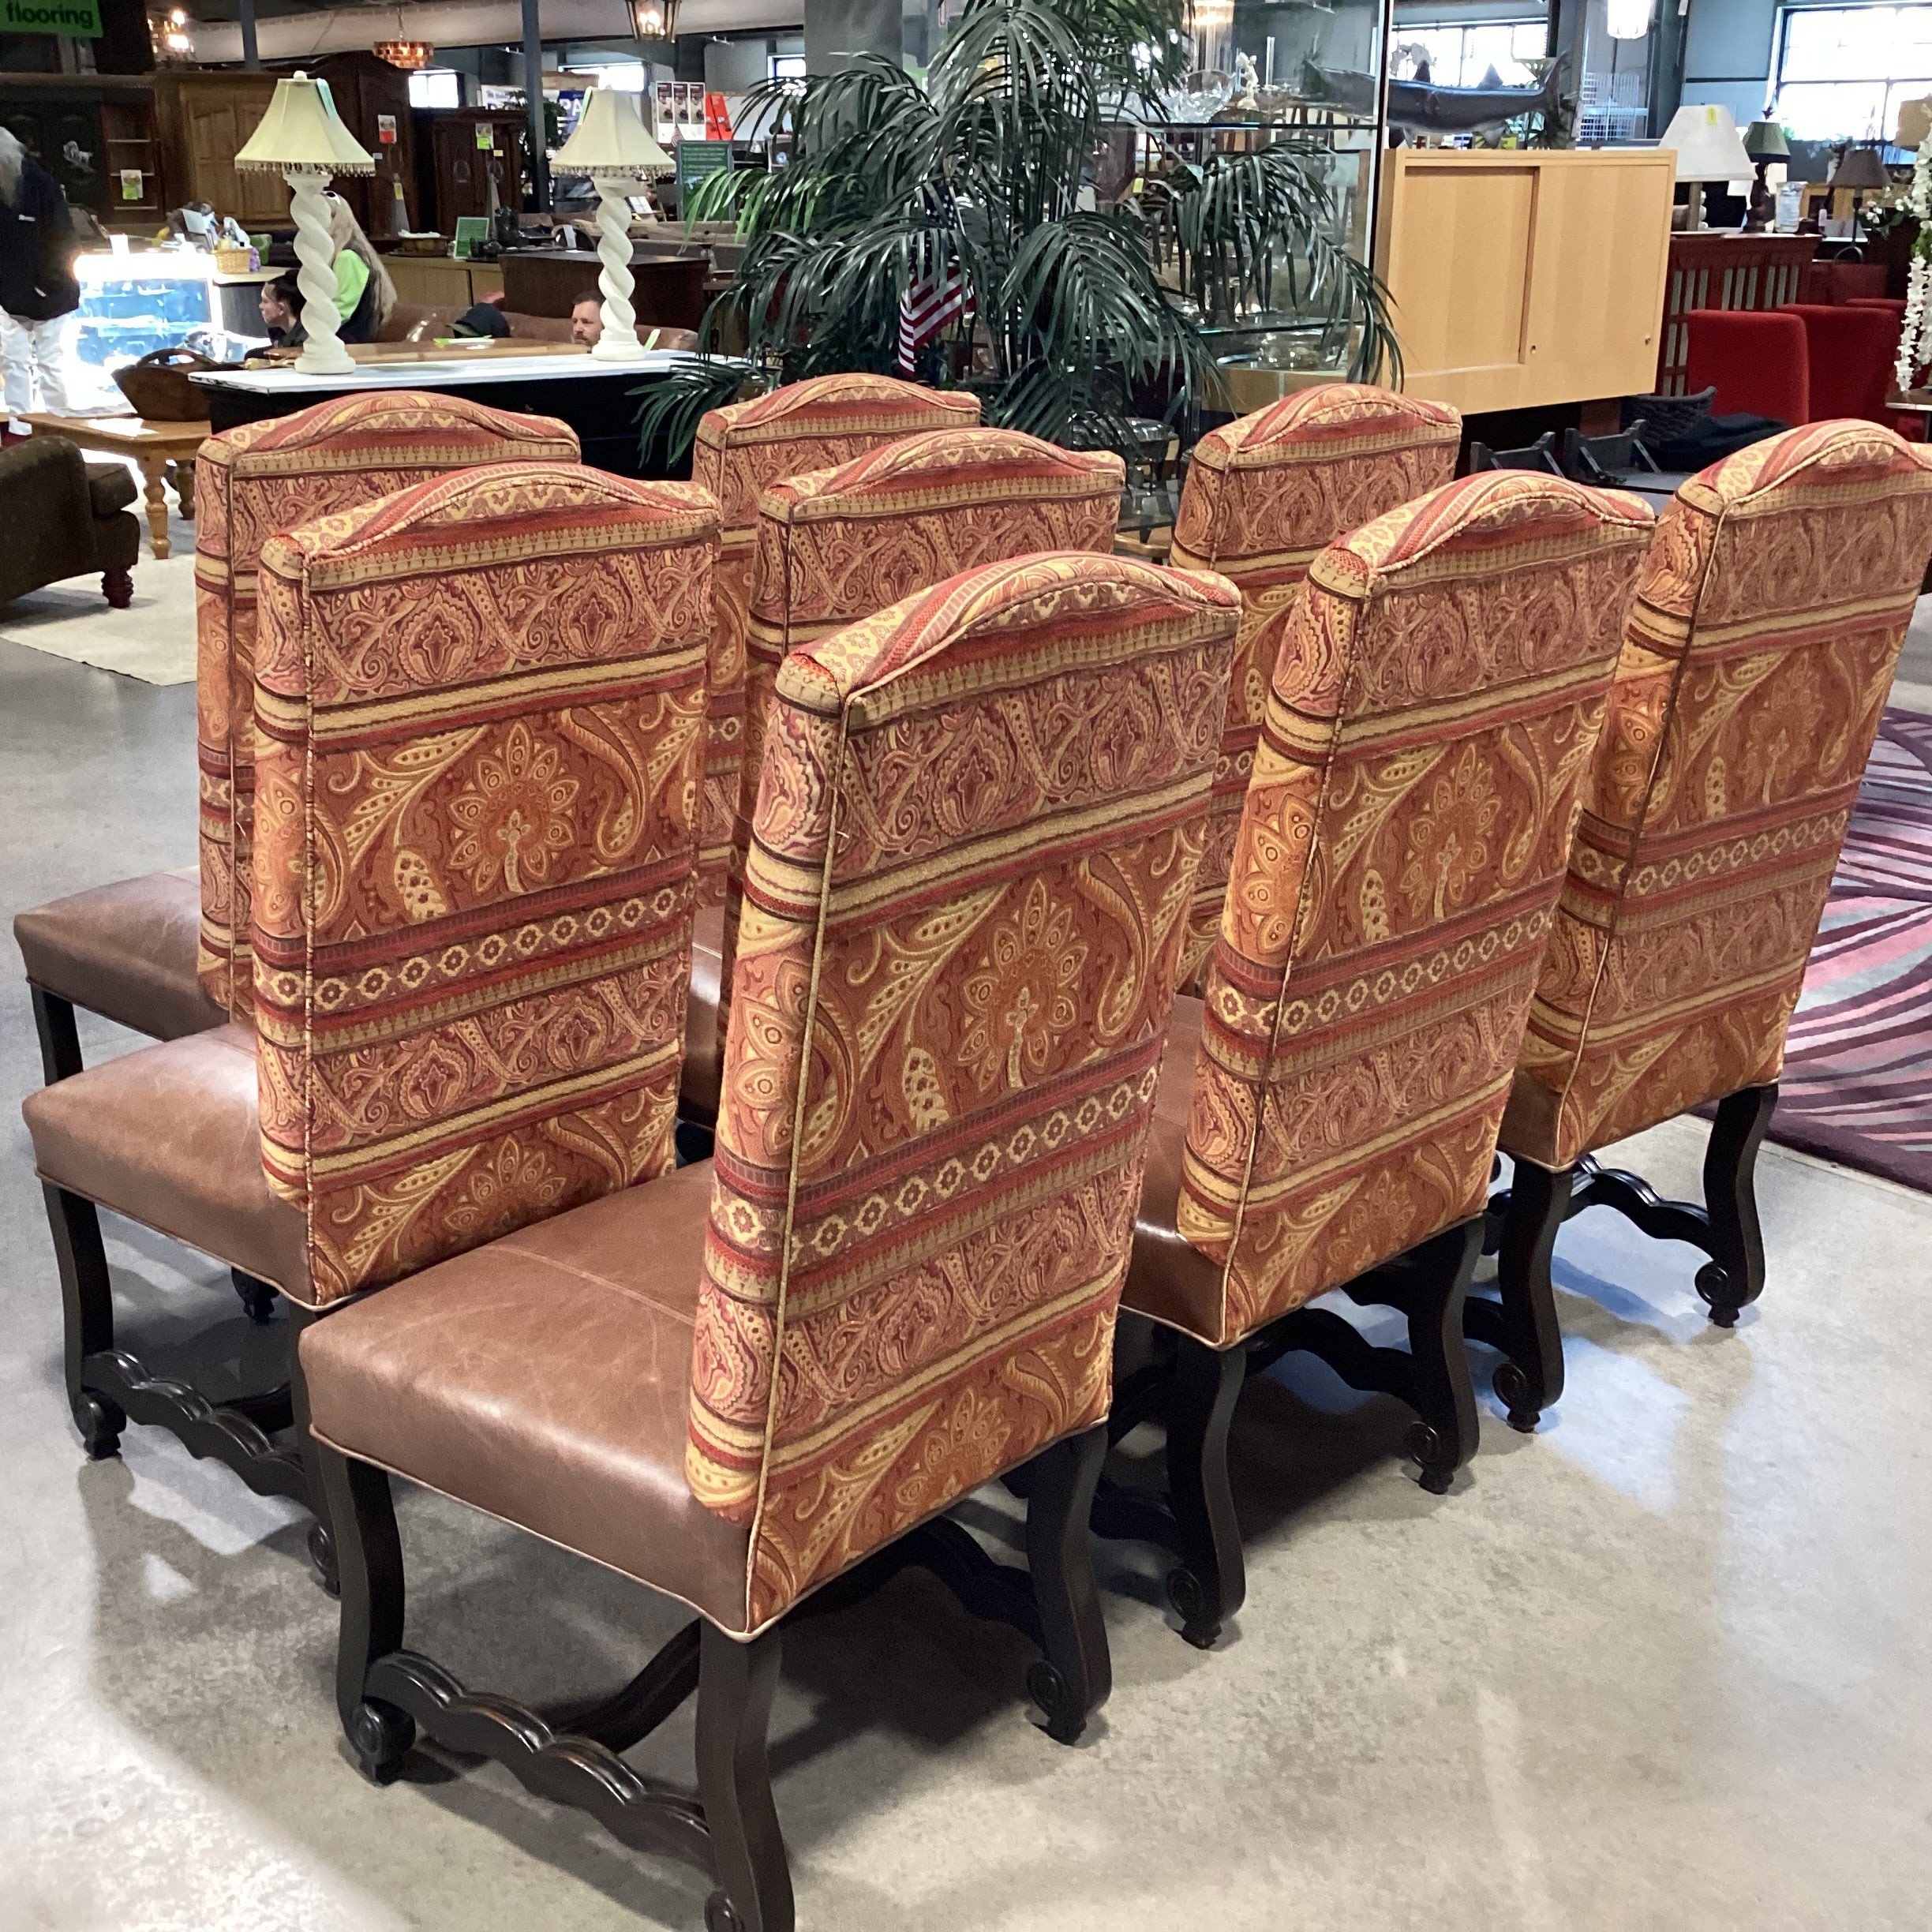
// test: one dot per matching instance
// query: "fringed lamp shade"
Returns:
(610, 145)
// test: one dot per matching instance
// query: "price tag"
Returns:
(486, 137)
(130, 184)
(385, 130)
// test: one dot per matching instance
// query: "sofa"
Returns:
(66, 517)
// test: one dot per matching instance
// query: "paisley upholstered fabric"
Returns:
(251, 482)
(1432, 715)
(480, 724)
(977, 831)
(839, 544)
(1756, 664)
(1264, 494)
(739, 450)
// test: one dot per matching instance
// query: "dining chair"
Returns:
(1434, 704)
(740, 449)
(1264, 495)
(838, 545)
(1754, 669)
(153, 953)
(756, 1385)
(479, 720)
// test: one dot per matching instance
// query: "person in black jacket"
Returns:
(38, 291)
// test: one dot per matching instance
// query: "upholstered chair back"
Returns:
(740, 449)
(251, 482)
(836, 545)
(1768, 621)
(480, 723)
(1432, 713)
(1264, 494)
(980, 814)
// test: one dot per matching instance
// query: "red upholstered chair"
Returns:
(1850, 353)
(154, 954)
(839, 544)
(1839, 283)
(1264, 494)
(479, 713)
(1759, 362)
(739, 1387)
(1434, 704)
(741, 449)
(1753, 672)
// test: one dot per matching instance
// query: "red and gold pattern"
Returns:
(1755, 667)
(266, 477)
(1264, 495)
(740, 450)
(839, 544)
(980, 815)
(1430, 725)
(480, 723)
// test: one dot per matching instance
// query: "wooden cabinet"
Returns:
(460, 152)
(205, 118)
(1524, 277)
(1716, 269)
(366, 89)
(549, 282)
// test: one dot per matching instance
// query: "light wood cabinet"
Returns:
(205, 118)
(1525, 277)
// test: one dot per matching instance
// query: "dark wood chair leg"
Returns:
(1071, 1681)
(736, 1683)
(1445, 1396)
(355, 1496)
(118, 588)
(257, 1297)
(60, 1041)
(1210, 1581)
(1735, 1276)
(321, 1536)
(1532, 1378)
(87, 1305)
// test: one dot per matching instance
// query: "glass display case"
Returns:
(1310, 76)
(130, 303)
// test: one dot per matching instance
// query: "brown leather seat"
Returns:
(704, 1046)
(126, 951)
(546, 1379)
(170, 1136)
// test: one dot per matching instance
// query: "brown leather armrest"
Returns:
(110, 487)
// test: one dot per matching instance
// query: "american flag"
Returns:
(932, 303)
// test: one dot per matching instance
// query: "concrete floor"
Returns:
(1666, 1665)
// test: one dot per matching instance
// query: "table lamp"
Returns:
(610, 145)
(302, 135)
(1708, 146)
(1765, 142)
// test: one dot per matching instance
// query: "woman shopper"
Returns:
(364, 294)
(38, 291)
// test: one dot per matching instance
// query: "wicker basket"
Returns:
(233, 260)
(158, 387)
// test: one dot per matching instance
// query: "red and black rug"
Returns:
(1857, 1085)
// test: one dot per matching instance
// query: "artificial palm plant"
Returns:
(891, 187)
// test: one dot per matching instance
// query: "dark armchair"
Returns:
(66, 517)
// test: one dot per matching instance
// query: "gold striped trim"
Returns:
(793, 889)
(978, 492)
(476, 1122)
(1567, 1030)
(440, 552)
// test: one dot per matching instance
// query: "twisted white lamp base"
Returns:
(618, 343)
(322, 352)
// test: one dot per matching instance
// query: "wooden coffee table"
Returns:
(153, 445)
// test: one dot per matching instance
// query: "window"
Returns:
(436, 87)
(1843, 71)
(1459, 56)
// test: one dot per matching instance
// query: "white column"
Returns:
(322, 352)
(618, 340)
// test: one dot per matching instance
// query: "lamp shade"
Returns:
(301, 130)
(1858, 167)
(1764, 141)
(610, 139)
(1709, 147)
(1627, 20)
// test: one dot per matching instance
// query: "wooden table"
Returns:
(153, 445)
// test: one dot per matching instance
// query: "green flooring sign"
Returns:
(80, 18)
